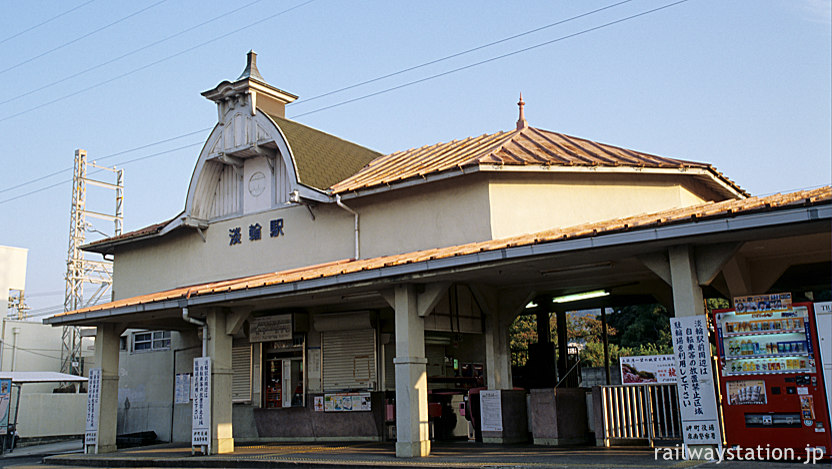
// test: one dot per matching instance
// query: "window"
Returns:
(151, 341)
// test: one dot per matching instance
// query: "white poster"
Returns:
(201, 423)
(182, 394)
(270, 328)
(93, 403)
(491, 411)
(5, 405)
(695, 380)
(648, 369)
(347, 402)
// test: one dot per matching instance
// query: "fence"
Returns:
(646, 412)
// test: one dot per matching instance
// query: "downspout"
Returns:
(199, 323)
(341, 204)
(15, 331)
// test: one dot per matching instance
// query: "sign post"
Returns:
(201, 421)
(93, 403)
(697, 397)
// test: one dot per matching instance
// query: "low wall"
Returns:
(45, 415)
(304, 423)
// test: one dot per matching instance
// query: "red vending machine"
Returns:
(771, 379)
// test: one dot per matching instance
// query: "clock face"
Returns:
(257, 184)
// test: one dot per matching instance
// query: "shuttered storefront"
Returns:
(241, 374)
(349, 359)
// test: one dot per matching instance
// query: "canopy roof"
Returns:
(24, 377)
(646, 224)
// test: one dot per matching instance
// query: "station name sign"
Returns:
(270, 328)
(255, 232)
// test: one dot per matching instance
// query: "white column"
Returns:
(411, 377)
(687, 294)
(497, 353)
(219, 349)
(106, 357)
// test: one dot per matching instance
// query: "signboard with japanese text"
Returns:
(648, 369)
(695, 380)
(347, 402)
(201, 422)
(182, 393)
(771, 303)
(270, 328)
(93, 403)
(5, 404)
(255, 232)
(491, 410)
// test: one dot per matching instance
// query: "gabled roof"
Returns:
(708, 211)
(321, 159)
(527, 147)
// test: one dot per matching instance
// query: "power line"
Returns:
(45, 22)
(143, 67)
(81, 37)
(69, 77)
(421, 80)
(125, 163)
(468, 51)
(492, 59)
(327, 93)
(111, 155)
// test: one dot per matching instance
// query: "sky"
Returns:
(744, 85)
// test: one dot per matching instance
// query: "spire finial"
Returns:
(521, 122)
(251, 67)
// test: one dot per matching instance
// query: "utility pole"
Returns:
(79, 269)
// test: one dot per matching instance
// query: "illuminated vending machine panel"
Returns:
(770, 379)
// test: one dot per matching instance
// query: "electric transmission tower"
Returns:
(79, 269)
(18, 309)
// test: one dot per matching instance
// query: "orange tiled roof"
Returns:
(529, 146)
(140, 233)
(706, 211)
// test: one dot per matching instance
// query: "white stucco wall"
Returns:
(182, 258)
(47, 414)
(443, 214)
(35, 347)
(527, 203)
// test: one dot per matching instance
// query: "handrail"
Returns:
(568, 372)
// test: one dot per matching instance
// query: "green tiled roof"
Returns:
(322, 159)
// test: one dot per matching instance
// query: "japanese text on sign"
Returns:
(255, 232)
(93, 403)
(648, 369)
(201, 423)
(763, 303)
(697, 398)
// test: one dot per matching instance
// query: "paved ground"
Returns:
(353, 455)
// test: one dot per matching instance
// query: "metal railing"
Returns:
(639, 412)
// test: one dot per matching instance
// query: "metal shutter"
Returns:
(389, 367)
(349, 359)
(241, 374)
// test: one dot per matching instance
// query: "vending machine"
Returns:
(771, 378)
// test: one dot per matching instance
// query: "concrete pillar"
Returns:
(106, 357)
(687, 294)
(219, 349)
(497, 351)
(411, 376)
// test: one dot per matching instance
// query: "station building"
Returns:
(334, 287)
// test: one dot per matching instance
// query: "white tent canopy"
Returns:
(23, 377)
